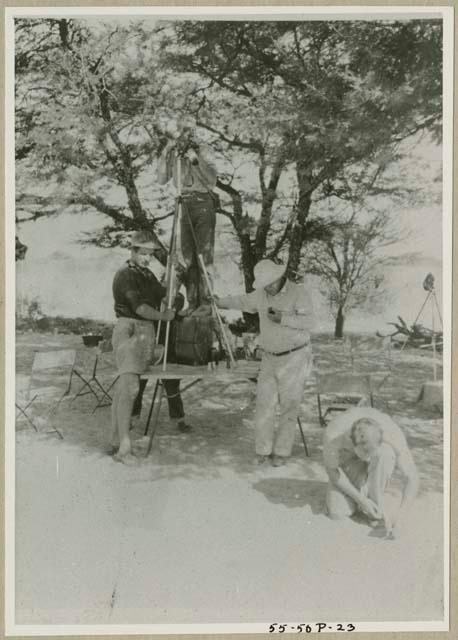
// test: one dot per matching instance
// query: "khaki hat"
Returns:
(144, 239)
(267, 272)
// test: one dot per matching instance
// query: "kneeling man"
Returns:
(361, 449)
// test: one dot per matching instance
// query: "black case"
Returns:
(190, 340)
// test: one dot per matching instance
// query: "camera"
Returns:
(185, 143)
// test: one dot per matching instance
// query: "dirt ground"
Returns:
(197, 533)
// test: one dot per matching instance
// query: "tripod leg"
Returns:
(299, 423)
(216, 310)
(170, 278)
(438, 309)
(156, 386)
(155, 419)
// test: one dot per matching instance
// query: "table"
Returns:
(244, 370)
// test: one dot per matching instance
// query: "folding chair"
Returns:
(54, 367)
(93, 384)
(342, 390)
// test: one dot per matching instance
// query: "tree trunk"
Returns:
(242, 231)
(269, 193)
(339, 326)
(304, 182)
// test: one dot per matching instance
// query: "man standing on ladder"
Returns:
(198, 219)
(286, 319)
(137, 298)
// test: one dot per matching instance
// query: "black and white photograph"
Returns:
(228, 319)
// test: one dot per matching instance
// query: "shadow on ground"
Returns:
(293, 493)
(222, 416)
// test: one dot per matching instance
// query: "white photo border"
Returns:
(218, 12)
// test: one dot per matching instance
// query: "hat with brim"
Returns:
(267, 272)
(144, 240)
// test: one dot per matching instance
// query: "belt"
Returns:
(284, 353)
(194, 194)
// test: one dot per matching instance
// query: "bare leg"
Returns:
(113, 438)
(338, 504)
(126, 392)
(380, 470)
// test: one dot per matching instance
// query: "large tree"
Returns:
(306, 103)
(85, 128)
(315, 97)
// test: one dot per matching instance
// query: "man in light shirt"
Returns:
(285, 319)
(361, 450)
(198, 217)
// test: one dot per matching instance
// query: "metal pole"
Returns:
(172, 252)
(407, 340)
(223, 330)
(167, 272)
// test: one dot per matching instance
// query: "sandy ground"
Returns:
(196, 533)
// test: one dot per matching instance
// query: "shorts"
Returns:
(133, 345)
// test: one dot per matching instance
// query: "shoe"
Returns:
(129, 459)
(183, 427)
(262, 459)
(279, 461)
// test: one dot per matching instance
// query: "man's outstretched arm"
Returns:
(247, 302)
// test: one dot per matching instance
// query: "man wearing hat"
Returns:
(285, 321)
(198, 218)
(137, 298)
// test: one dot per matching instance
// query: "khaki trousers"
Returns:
(281, 384)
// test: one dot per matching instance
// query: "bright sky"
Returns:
(71, 279)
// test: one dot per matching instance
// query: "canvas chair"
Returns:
(55, 367)
(92, 369)
(342, 390)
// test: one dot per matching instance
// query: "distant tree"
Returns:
(352, 263)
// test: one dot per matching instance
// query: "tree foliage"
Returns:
(296, 112)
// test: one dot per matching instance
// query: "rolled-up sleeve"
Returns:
(302, 317)
(164, 165)
(249, 303)
(206, 166)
